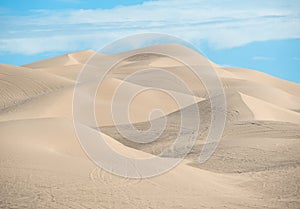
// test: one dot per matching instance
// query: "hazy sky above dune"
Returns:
(263, 35)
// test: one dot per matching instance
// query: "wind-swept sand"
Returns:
(42, 164)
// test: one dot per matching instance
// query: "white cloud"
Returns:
(223, 24)
(262, 58)
(70, 1)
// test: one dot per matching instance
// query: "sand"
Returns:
(42, 164)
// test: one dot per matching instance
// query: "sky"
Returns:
(257, 34)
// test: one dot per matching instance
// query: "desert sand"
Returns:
(42, 165)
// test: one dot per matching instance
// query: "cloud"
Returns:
(296, 58)
(70, 1)
(262, 58)
(223, 24)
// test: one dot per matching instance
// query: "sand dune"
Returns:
(264, 92)
(43, 165)
(19, 84)
(263, 110)
(80, 57)
(260, 77)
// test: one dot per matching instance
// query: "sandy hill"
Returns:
(256, 164)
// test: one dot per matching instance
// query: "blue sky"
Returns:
(257, 34)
